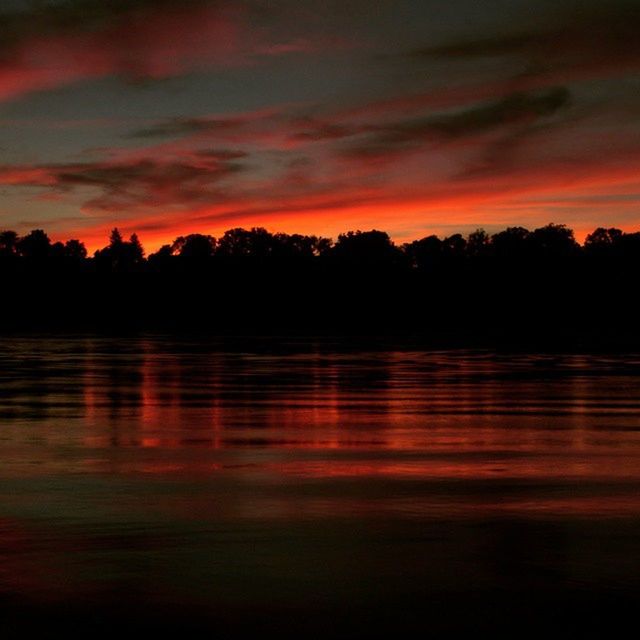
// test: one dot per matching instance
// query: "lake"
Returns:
(315, 486)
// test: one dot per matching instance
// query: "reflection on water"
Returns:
(312, 486)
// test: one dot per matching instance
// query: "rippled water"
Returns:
(314, 487)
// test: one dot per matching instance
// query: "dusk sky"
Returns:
(167, 117)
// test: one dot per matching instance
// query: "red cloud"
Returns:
(469, 180)
(143, 42)
(529, 195)
(137, 183)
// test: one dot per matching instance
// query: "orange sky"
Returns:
(414, 118)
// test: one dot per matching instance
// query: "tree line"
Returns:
(516, 282)
(365, 248)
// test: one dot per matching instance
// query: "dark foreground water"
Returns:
(157, 486)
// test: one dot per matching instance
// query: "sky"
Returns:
(167, 117)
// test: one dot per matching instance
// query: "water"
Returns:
(313, 487)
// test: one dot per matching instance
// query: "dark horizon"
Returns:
(517, 286)
(37, 244)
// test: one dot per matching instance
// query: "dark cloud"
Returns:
(178, 127)
(372, 137)
(241, 125)
(49, 21)
(478, 109)
(586, 37)
(221, 154)
(487, 47)
(514, 110)
(317, 130)
(49, 44)
(54, 17)
(140, 183)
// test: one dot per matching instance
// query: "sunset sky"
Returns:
(167, 117)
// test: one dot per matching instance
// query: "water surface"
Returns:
(310, 486)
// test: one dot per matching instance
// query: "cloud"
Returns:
(216, 125)
(315, 130)
(137, 184)
(263, 130)
(485, 47)
(50, 44)
(517, 109)
(425, 138)
(513, 197)
(564, 42)
(178, 127)
(282, 127)
(210, 190)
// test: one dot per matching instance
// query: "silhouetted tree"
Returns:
(628, 246)
(254, 243)
(603, 242)
(8, 242)
(75, 250)
(299, 246)
(366, 249)
(56, 251)
(425, 254)
(164, 252)
(115, 239)
(514, 281)
(35, 245)
(120, 255)
(511, 243)
(478, 243)
(135, 250)
(454, 246)
(553, 240)
(195, 246)
(602, 236)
